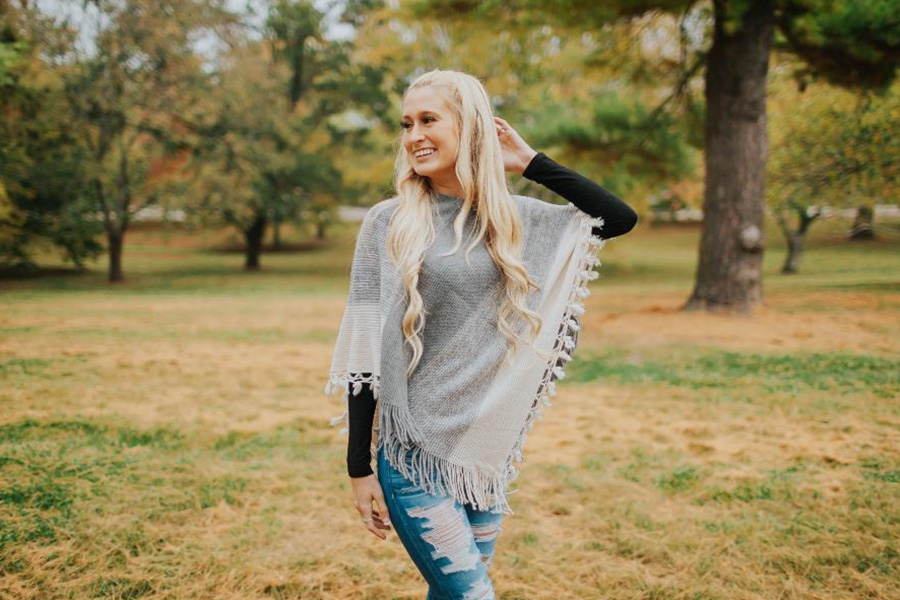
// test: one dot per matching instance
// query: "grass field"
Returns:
(169, 438)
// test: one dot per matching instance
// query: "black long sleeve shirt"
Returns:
(588, 196)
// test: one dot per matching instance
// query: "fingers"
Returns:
(502, 126)
(375, 521)
(371, 522)
(373, 526)
(382, 509)
(502, 123)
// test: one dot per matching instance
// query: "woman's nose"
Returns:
(415, 134)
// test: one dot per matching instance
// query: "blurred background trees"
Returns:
(44, 192)
(261, 116)
(831, 150)
(850, 44)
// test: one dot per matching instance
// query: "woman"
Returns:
(455, 351)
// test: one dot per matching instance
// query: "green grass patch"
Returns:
(33, 367)
(21, 372)
(876, 469)
(836, 372)
(777, 484)
(54, 465)
(59, 475)
(678, 480)
(13, 330)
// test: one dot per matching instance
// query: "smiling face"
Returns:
(428, 125)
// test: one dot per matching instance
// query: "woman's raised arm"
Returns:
(597, 201)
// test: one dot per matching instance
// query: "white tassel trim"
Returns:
(435, 474)
(566, 338)
(341, 382)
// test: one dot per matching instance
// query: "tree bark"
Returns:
(115, 240)
(729, 271)
(254, 238)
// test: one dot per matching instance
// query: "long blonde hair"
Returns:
(480, 171)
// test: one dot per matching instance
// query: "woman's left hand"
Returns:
(516, 153)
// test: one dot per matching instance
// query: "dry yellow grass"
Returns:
(162, 442)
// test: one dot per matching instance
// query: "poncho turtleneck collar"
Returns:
(446, 198)
(447, 206)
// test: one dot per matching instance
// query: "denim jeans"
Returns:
(451, 544)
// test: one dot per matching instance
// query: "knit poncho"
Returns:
(458, 424)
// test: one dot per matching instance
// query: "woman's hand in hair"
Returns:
(367, 490)
(516, 152)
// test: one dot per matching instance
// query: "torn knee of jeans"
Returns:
(447, 531)
(486, 533)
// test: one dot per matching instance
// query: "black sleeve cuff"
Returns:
(365, 472)
(532, 171)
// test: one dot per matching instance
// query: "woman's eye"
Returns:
(406, 125)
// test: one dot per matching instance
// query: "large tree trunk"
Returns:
(729, 272)
(115, 240)
(254, 237)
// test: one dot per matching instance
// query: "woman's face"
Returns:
(428, 125)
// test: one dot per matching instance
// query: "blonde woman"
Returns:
(465, 304)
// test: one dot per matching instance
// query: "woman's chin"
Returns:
(426, 171)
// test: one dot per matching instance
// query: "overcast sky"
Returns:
(64, 8)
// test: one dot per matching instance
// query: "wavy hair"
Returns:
(480, 171)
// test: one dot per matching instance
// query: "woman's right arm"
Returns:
(361, 416)
(366, 487)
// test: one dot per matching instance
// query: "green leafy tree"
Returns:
(252, 161)
(43, 194)
(277, 128)
(128, 95)
(325, 91)
(294, 30)
(832, 148)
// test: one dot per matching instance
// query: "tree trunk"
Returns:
(115, 240)
(794, 252)
(796, 241)
(320, 229)
(862, 225)
(254, 237)
(729, 271)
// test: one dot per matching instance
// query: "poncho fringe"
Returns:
(398, 435)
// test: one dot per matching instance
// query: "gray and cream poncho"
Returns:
(462, 416)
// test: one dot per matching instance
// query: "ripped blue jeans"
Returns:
(451, 544)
